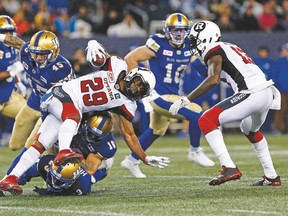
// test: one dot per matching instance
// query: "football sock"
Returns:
(216, 142)
(15, 161)
(146, 140)
(66, 133)
(262, 151)
(28, 158)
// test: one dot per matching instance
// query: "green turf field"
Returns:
(180, 189)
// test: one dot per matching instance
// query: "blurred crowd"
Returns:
(82, 19)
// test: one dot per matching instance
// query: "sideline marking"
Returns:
(254, 211)
(62, 211)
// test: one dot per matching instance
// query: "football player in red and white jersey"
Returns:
(111, 88)
(254, 97)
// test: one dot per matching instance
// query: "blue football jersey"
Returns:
(105, 148)
(169, 65)
(41, 79)
(8, 55)
(81, 186)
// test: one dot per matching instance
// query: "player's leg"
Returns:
(250, 127)
(28, 143)
(63, 108)
(24, 124)
(158, 126)
(209, 123)
(46, 137)
(13, 106)
(192, 113)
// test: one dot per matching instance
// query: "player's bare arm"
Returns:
(91, 163)
(14, 41)
(214, 70)
(140, 54)
(130, 137)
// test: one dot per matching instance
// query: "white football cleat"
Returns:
(133, 168)
(200, 158)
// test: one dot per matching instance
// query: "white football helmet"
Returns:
(203, 33)
(142, 76)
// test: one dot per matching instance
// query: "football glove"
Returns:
(94, 49)
(159, 162)
(15, 68)
(174, 108)
(21, 89)
(43, 191)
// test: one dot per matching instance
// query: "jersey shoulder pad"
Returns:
(24, 49)
(153, 42)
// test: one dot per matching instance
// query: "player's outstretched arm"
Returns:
(91, 163)
(132, 141)
(12, 40)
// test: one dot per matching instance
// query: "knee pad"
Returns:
(254, 137)
(206, 125)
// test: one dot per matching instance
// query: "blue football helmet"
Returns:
(97, 127)
(63, 176)
(177, 28)
(45, 44)
(7, 24)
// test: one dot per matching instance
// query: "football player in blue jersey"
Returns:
(44, 67)
(97, 144)
(168, 57)
(10, 101)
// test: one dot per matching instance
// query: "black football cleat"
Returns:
(226, 174)
(267, 182)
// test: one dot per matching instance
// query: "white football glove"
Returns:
(93, 49)
(15, 68)
(21, 88)
(174, 108)
(159, 162)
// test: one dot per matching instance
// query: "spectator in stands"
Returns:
(82, 30)
(3, 10)
(264, 61)
(79, 63)
(12, 6)
(257, 8)
(248, 22)
(110, 18)
(43, 18)
(127, 28)
(63, 25)
(85, 18)
(268, 20)
(225, 23)
(280, 77)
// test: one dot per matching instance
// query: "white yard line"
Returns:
(254, 212)
(27, 209)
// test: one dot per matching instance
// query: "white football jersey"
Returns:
(97, 91)
(238, 69)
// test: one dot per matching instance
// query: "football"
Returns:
(100, 61)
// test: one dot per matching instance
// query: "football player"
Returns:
(10, 101)
(111, 88)
(44, 68)
(254, 97)
(97, 144)
(168, 57)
